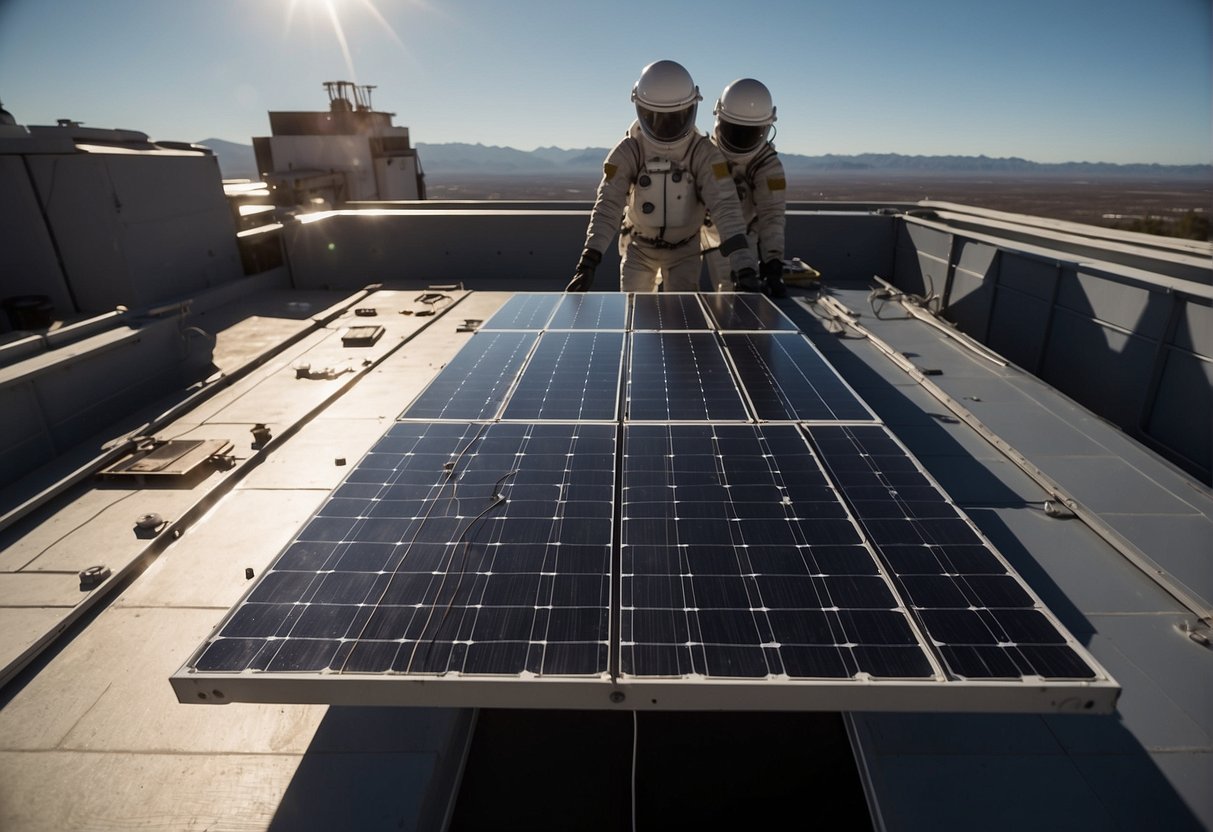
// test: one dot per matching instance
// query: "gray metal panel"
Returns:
(1076, 343)
(30, 263)
(1182, 417)
(925, 252)
(25, 442)
(96, 390)
(485, 250)
(1195, 331)
(120, 231)
(1018, 325)
(842, 246)
(1029, 275)
(1110, 301)
(972, 291)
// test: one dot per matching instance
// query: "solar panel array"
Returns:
(670, 503)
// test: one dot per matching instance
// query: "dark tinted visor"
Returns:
(741, 138)
(666, 127)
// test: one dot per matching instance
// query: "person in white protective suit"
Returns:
(656, 184)
(744, 115)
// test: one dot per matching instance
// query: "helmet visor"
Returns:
(740, 138)
(666, 127)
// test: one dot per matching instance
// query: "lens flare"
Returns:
(329, 10)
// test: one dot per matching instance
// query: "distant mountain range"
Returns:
(236, 161)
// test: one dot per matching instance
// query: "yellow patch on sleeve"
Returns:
(777, 183)
(721, 170)
(608, 171)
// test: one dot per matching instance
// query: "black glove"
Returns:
(746, 280)
(772, 276)
(583, 278)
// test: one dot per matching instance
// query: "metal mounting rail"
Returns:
(118, 447)
(1164, 579)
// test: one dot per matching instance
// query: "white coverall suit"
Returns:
(762, 190)
(660, 195)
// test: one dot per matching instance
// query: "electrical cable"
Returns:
(497, 499)
(635, 746)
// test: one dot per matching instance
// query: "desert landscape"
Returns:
(1124, 202)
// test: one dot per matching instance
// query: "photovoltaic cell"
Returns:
(598, 310)
(739, 560)
(474, 384)
(667, 311)
(746, 554)
(571, 376)
(746, 312)
(472, 549)
(983, 620)
(680, 376)
(524, 311)
(787, 379)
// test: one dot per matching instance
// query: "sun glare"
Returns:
(329, 9)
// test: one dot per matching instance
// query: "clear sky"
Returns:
(1047, 80)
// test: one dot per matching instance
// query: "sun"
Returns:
(329, 9)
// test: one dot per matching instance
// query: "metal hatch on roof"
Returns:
(156, 458)
(671, 563)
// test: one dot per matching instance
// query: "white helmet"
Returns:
(666, 101)
(744, 115)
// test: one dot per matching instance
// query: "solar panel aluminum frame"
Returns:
(696, 694)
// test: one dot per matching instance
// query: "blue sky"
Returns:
(1047, 80)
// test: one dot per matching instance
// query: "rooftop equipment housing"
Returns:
(349, 152)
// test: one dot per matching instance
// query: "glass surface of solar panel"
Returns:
(667, 311)
(596, 310)
(475, 382)
(980, 615)
(745, 312)
(680, 376)
(571, 376)
(787, 379)
(753, 555)
(477, 549)
(524, 311)
(738, 559)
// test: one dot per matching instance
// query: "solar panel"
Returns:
(746, 312)
(524, 311)
(571, 376)
(599, 310)
(787, 379)
(467, 549)
(672, 555)
(474, 384)
(739, 560)
(981, 616)
(680, 376)
(668, 311)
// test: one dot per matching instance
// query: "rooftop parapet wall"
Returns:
(530, 246)
(1122, 328)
